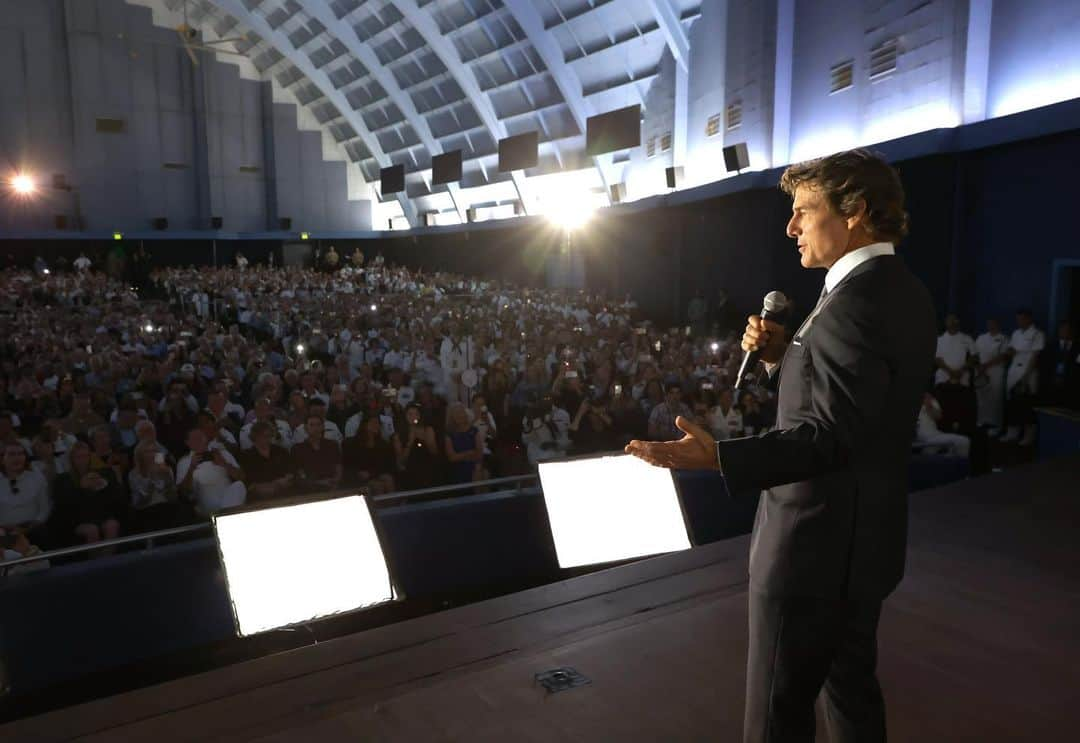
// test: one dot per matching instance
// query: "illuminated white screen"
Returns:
(297, 563)
(611, 508)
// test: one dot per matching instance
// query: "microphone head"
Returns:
(776, 301)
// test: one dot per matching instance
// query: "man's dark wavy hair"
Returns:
(847, 177)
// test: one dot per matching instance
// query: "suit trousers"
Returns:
(804, 649)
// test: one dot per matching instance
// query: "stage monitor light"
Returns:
(292, 564)
(609, 508)
(23, 185)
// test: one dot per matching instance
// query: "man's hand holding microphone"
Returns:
(763, 340)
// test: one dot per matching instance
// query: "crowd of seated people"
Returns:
(125, 411)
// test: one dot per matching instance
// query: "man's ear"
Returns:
(858, 217)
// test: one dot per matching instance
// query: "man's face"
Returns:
(952, 324)
(1023, 321)
(993, 327)
(1065, 332)
(197, 441)
(822, 234)
(314, 427)
(674, 395)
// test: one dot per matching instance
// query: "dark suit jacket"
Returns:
(1060, 383)
(832, 520)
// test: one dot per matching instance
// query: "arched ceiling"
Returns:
(398, 81)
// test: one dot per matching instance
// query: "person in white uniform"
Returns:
(928, 433)
(990, 351)
(1022, 378)
(953, 351)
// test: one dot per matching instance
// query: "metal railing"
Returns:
(387, 499)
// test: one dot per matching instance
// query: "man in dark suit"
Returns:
(830, 535)
(1060, 363)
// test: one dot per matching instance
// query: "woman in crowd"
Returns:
(464, 446)
(90, 504)
(152, 483)
(371, 459)
(419, 465)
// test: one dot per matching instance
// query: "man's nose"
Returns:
(792, 228)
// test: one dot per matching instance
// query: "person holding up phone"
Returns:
(210, 474)
(154, 500)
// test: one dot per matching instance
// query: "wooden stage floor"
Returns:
(979, 643)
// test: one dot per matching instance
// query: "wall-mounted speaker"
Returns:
(736, 157)
(674, 176)
(430, 219)
(285, 224)
(216, 223)
(618, 193)
(161, 223)
(470, 214)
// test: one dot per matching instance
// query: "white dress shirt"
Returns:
(849, 261)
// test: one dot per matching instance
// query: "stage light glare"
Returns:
(570, 214)
(715, 347)
(23, 184)
(45, 271)
(292, 564)
(299, 347)
(611, 508)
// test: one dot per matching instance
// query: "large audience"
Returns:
(129, 409)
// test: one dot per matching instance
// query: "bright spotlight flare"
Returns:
(568, 209)
(775, 310)
(23, 184)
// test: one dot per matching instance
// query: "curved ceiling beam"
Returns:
(668, 20)
(259, 25)
(438, 43)
(671, 26)
(545, 44)
(321, 11)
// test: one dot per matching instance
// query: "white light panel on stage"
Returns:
(604, 509)
(300, 562)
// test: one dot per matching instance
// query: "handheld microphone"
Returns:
(775, 310)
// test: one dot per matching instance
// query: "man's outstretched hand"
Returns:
(694, 451)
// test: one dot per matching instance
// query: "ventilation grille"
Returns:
(841, 76)
(883, 59)
(712, 126)
(665, 142)
(249, 169)
(734, 115)
(650, 147)
(111, 126)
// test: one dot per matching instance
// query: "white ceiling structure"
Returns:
(398, 81)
